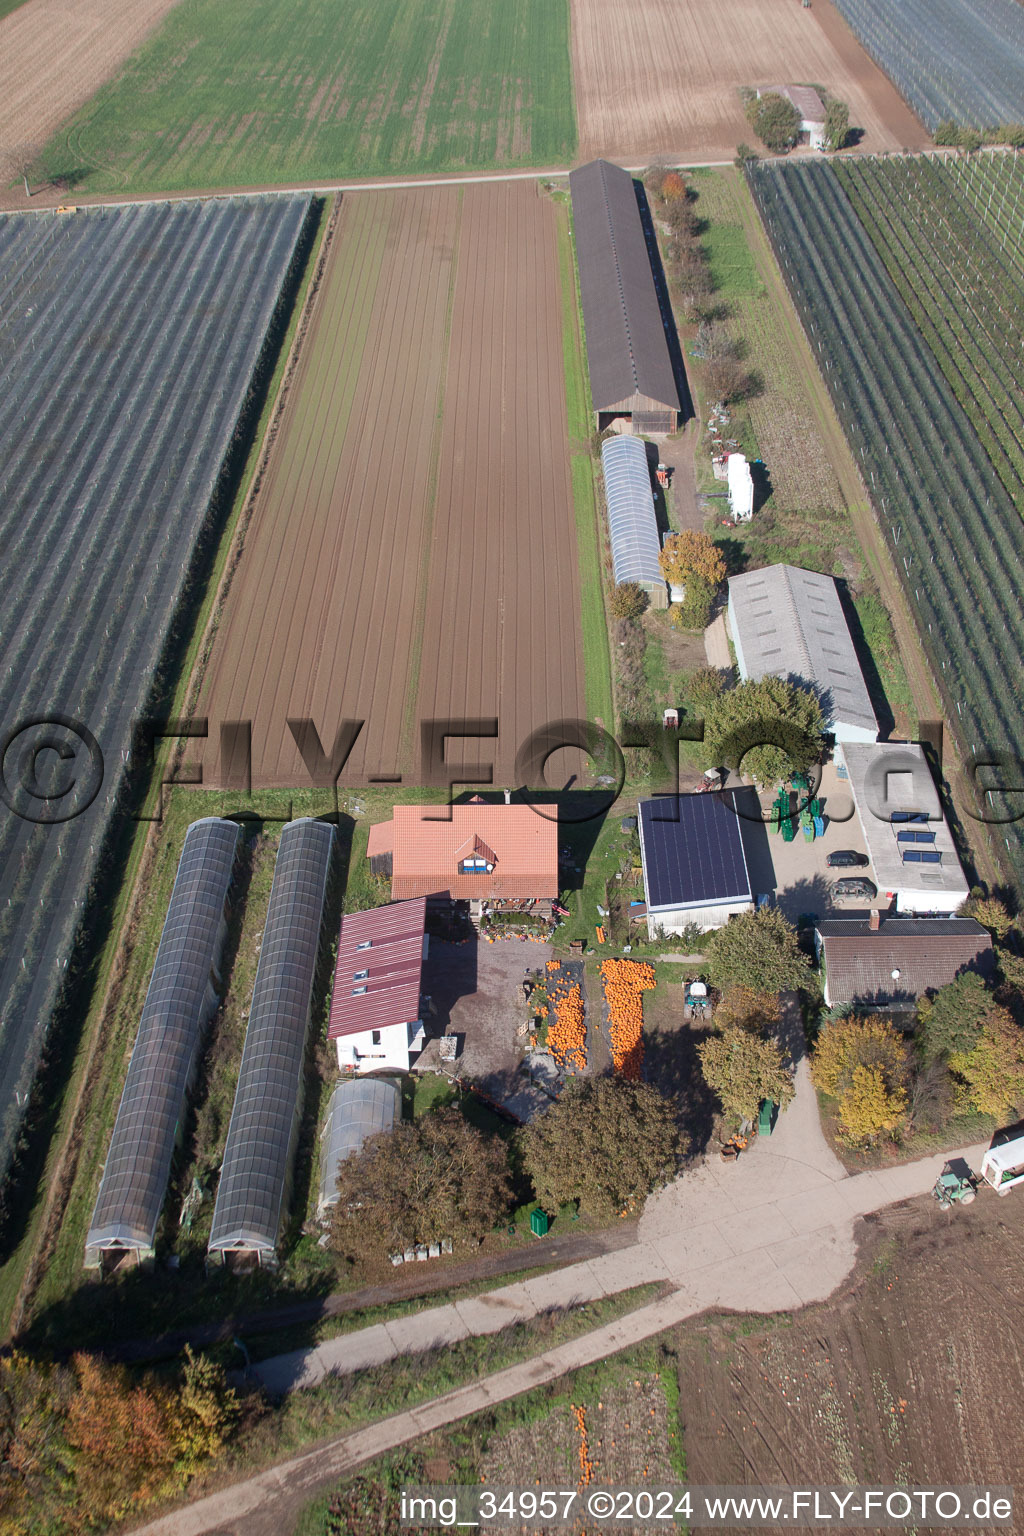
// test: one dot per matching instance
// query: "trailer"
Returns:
(1002, 1167)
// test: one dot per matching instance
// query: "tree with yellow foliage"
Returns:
(692, 554)
(863, 1064)
(992, 1071)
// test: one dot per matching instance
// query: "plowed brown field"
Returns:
(661, 76)
(54, 55)
(412, 554)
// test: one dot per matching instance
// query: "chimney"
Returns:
(875, 921)
(508, 797)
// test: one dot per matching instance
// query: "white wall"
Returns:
(662, 921)
(399, 1044)
(843, 732)
(946, 902)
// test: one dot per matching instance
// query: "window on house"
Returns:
(358, 991)
(375, 1037)
(474, 866)
(366, 944)
(360, 975)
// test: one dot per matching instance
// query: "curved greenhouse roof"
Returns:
(255, 1175)
(631, 518)
(181, 998)
(358, 1109)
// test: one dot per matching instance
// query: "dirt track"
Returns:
(661, 76)
(54, 55)
(412, 553)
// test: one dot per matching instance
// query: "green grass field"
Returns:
(250, 92)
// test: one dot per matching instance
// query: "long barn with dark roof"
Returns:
(631, 373)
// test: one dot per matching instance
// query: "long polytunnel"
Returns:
(359, 1108)
(632, 523)
(255, 1176)
(181, 998)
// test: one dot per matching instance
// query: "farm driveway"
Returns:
(771, 1232)
(475, 988)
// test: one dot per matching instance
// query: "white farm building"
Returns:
(741, 488)
(913, 858)
(787, 622)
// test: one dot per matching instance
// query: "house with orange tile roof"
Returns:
(493, 857)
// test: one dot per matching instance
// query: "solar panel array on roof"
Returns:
(632, 523)
(180, 1000)
(358, 1109)
(255, 1175)
(692, 850)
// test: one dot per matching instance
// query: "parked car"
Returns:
(846, 858)
(857, 886)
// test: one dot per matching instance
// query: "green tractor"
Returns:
(953, 1189)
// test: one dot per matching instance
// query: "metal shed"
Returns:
(631, 373)
(788, 622)
(632, 523)
(181, 999)
(358, 1109)
(255, 1178)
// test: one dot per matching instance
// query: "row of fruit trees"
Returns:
(956, 535)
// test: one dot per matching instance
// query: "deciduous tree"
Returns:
(743, 1070)
(837, 124)
(864, 1065)
(951, 1020)
(607, 1143)
(991, 913)
(770, 729)
(433, 1178)
(992, 1071)
(628, 601)
(775, 120)
(750, 1008)
(758, 950)
(692, 553)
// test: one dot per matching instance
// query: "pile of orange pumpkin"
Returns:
(625, 982)
(567, 1034)
(586, 1465)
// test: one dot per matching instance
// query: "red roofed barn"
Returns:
(492, 856)
(375, 1005)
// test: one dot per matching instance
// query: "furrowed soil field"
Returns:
(261, 92)
(53, 57)
(661, 76)
(412, 554)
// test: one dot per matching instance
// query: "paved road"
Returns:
(768, 1233)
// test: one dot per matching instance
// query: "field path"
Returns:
(770, 1233)
(54, 55)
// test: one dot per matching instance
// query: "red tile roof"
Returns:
(393, 961)
(427, 843)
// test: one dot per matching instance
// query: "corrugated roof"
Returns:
(358, 1109)
(425, 841)
(789, 622)
(632, 523)
(254, 1177)
(692, 850)
(927, 952)
(379, 970)
(627, 352)
(179, 1000)
(804, 97)
(892, 779)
